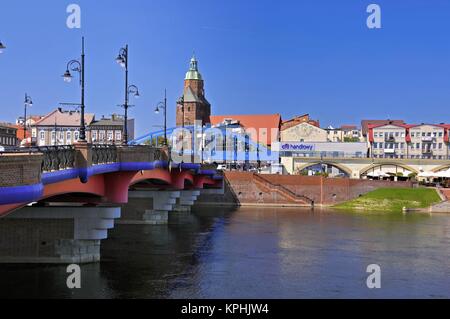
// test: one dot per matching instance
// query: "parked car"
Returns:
(221, 167)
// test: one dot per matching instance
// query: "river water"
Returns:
(257, 253)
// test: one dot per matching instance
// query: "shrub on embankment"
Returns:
(393, 199)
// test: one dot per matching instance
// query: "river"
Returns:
(257, 253)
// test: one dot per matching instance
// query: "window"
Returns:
(42, 135)
(118, 135)
(94, 136)
(53, 136)
(110, 135)
(101, 136)
(76, 135)
(69, 136)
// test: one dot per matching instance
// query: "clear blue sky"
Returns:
(256, 56)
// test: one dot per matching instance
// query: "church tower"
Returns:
(195, 106)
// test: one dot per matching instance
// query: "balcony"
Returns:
(389, 139)
(428, 139)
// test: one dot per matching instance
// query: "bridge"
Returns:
(363, 167)
(57, 203)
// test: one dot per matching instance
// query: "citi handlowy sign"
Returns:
(297, 147)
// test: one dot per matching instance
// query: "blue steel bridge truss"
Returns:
(243, 148)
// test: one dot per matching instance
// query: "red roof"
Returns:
(349, 127)
(260, 122)
(298, 120)
(366, 123)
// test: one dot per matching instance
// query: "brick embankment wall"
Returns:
(242, 189)
(446, 193)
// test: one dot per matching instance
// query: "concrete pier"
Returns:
(149, 207)
(186, 200)
(55, 235)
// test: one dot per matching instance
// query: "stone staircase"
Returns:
(269, 187)
(444, 206)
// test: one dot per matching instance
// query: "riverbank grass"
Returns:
(393, 199)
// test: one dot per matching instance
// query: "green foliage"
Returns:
(153, 141)
(324, 174)
(351, 139)
(393, 199)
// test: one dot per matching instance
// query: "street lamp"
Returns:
(77, 66)
(163, 105)
(180, 101)
(122, 60)
(2, 47)
(28, 102)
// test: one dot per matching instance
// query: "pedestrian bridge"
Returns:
(57, 203)
(358, 167)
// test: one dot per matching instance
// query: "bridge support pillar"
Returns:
(55, 235)
(186, 200)
(149, 207)
(182, 209)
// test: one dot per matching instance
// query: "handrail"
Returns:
(282, 188)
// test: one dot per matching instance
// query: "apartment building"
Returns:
(59, 128)
(424, 141)
(8, 134)
(110, 130)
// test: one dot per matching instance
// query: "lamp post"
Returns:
(28, 102)
(2, 47)
(180, 101)
(122, 60)
(77, 66)
(163, 105)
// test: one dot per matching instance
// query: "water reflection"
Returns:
(258, 253)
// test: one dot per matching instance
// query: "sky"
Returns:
(256, 56)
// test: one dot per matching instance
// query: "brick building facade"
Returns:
(194, 106)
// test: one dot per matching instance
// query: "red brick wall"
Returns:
(241, 189)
